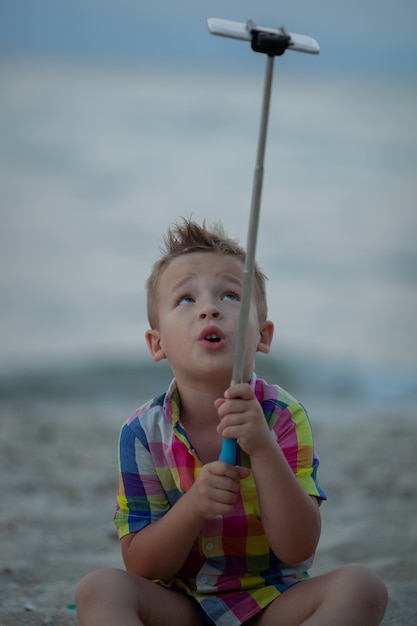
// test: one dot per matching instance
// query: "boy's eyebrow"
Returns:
(184, 279)
(193, 275)
(232, 277)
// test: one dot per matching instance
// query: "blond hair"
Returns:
(188, 236)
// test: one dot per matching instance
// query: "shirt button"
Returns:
(209, 546)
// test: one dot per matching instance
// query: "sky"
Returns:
(79, 142)
(373, 37)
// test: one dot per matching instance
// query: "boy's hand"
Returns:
(242, 418)
(216, 489)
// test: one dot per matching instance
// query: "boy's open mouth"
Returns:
(212, 338)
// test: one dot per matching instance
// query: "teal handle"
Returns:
(228, 451)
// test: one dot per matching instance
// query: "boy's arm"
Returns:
(159, 550)
(290, 517)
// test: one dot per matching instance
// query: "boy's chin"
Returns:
(213, 374)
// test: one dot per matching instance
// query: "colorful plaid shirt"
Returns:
(231, 571)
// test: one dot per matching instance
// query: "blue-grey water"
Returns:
(95, 163)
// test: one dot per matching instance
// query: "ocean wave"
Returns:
(129, 383)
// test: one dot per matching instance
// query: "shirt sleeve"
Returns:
(295, 438)
(141, 498)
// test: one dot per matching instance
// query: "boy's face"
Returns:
(198, 310)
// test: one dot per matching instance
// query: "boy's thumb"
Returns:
(243, 472)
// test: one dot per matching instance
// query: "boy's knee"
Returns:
(95, 585)
(365, 577)
(367, 586)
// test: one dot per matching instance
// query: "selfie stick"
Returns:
(273, 43)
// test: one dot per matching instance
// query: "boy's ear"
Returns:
(266, 335)
(153, 341)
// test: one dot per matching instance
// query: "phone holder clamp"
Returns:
(272, 44)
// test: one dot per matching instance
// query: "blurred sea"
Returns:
(96, 162)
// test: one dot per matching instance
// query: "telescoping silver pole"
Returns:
(272, 43)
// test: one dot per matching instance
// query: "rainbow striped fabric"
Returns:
(231, 571)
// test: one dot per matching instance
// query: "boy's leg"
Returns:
(350, 595)
(113, 597)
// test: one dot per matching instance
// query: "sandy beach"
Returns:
(58, 481)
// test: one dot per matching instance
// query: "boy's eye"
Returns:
(230, 295)
(185, 300)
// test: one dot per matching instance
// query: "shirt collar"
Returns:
(172, 400)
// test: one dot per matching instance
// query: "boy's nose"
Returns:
(209, 311)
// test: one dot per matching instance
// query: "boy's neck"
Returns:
(200, 419)
(197, 402)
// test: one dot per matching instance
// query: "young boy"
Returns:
(205, 542)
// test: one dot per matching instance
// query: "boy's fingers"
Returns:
(243, 472)
(225, 469)
(240, 390)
